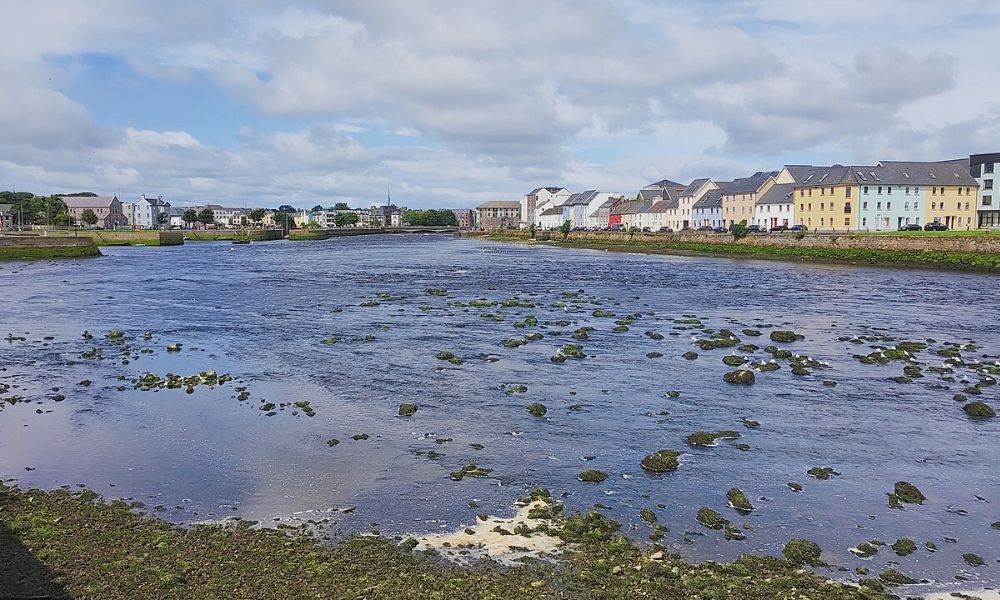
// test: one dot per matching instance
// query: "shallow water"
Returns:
(260, 312)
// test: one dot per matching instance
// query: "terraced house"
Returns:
(739, 199)
(826, 198)
(538, 201)
(681, 216)
(707, 212)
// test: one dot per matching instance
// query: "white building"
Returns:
(551, 218)
(681, 216)
(175, 216)
(145, 212)
(776, 207)
(985, 167)
(538, 201)
(707, 212)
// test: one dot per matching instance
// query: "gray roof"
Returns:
(510, 204)
(665, 183)
(662, 206)
(832, 175)
(551, 190)
(694, 186)
(548, 212)
(713, 199)
(88, 201)
(581, 198)
(637, 207)
(746, 185)
(781, 193)
(153, 201)
(176, 211)
(946, 172)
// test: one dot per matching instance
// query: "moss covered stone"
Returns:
(690, 355)
(865, 550)
(470, 470)
(706, 438)
(740, 377)
(751, 332)
(822, 472)
(803, 552)
(894, 577)
(662, 461)
(711, 518)
(733, 360)
(332, 442)
(592, 476)
(973, 560)
(406, 410)
(907, 492)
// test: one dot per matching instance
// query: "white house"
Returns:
(776, 207)
(551, 218)
(175, 216)
(145, 212)
(707, 212)
(579, 207)
(681, 216)
(538, 201)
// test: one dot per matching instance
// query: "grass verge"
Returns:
(43, 252)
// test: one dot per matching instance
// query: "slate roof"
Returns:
(746, 185)
(713, 199)
(153, 201)
(551, 190)
(581, 198)
(509, 204)
(606, 204)
(665, 183)
(548, 212)
(946, 172)
(637, 207)
(694, 186)
(781, 193)
(88, 201)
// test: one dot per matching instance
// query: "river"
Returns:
(261, 313)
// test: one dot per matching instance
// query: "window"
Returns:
(915, 207)
(987, 184)
(847, 208)
(988, 168)
(878, 206)
(864, 205)
(802, 207)
(864, 221)
(888, 205)
(888, 190)
(916, 190)
(847, 221)
(810, 192)
(810, 206)
(933, 205)
(802, 193)
(966, 206)
(822, 191)
(822, 205)
(821, 221)
(879, 189)
(987, 200)
(866, 189)
(906, 206)
(933, 191)
(847, 192)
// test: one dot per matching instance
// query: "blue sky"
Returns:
(451, 104)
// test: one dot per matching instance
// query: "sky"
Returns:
(449, 104)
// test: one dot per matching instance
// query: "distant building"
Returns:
(145, 212)
(386, 215)
(108, 209)
(550, 218)
(498, 214)
(6, 216)
(466, 217)
(175, 218)
(226, 217)
(984, 168)
(538, 201)
(707, 212)
(582, 209)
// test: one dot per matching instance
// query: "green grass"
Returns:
(43, 252)
(56, 544)
(972, 261)
(226, 235)
(949, 233)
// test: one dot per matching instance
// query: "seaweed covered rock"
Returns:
(904, 546)
(690, 355)
(407, 409)
(906, 492)
(979, 410)
(706, 438)
(739, 501)
(470, 470)
(803, 552)
(592, 476)
(711, 518)
(894, 577)
(740, 377)
(662, 461)
(592, 527)
(785, 337)
(973, 560)
(537, 408)
(822, 472)
(733, 360)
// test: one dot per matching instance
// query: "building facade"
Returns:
(538, 201)
(145, 213)
(109, 210)
(776, 207)
(984, 169)
(6, 217)
(739, 199)
(465, 217)
(499, 214)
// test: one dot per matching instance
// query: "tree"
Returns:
(340, 206)
(283, 219)
(286, 208)
(206, 217)
(431, 218)
(81, 195)
(90, 217)
(317, 208)
(346, 219)
(162, 218)
(532, 230)
(565, 228)
(257, 215)
(190, 216)
(739, 230)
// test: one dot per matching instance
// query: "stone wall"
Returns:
(983, 243)
(34, 241)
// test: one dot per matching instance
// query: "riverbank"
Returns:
(973, 253)
(217, 235)
(59, 545)
(20, 248)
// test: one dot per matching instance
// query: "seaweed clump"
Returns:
(662, 461)
(803, 552)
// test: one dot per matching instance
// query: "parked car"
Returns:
(754, 229)
(935, 227)
(779, 228)
(647, 229)
(705, 228)
(720, 230)
(616, 227)
(665, 229)
(910, 227)
(797, 228)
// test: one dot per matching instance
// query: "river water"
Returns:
(260, 312)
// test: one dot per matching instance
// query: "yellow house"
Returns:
(826, 199)
(739, 198)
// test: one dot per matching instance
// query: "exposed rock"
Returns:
(592, 476)
(406, 410)
(785, 337)
(904, 546)
(739, 501)
(740, 377)
(538, 409)
(662, 461)
(803, 552)
(979, 410)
